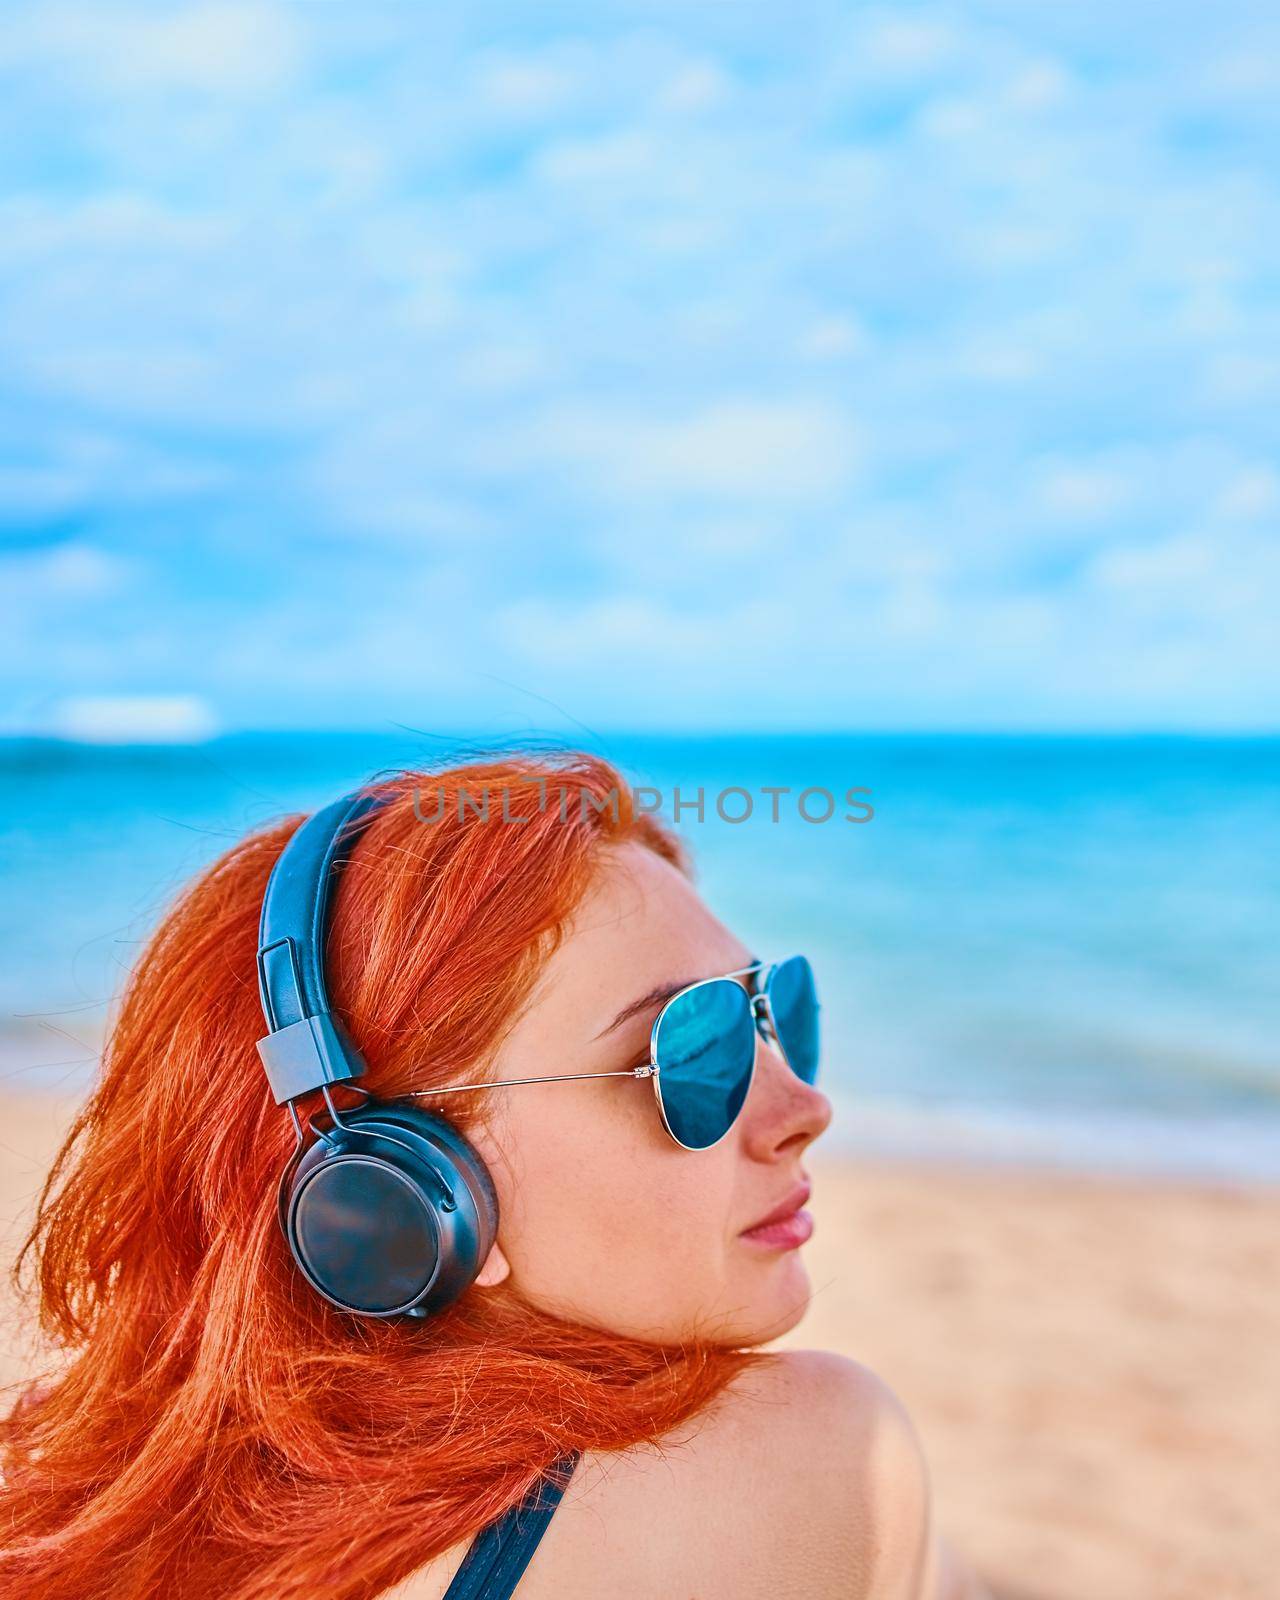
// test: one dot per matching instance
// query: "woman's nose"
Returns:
(782, 1107)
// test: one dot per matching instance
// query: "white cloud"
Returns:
(129, 719)
(1178, 562)
(613, 158)
(737, 448)
(991, 361)
(1038, 86)
(695, 86)
(1252, 492)
(40, 579)
(913, 608)
(241, 48)
(951, 116)
(905, 45)
(831, 337)
(1242, 377)
(69, 470)
(1083, 492)
(519, 86)
(637, 635)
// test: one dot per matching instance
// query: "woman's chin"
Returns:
(777, 1307)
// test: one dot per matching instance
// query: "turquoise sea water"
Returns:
(1045, 948)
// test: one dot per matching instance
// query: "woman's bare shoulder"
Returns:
(803, 1481)
(804, 1478)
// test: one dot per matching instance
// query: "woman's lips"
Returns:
(786, 1225)
(792, 1231)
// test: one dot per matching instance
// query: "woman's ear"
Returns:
(495, 1269)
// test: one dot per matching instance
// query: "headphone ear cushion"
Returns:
(429, 1126)
(392, 1213)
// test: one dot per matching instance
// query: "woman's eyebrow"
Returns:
(655, 996)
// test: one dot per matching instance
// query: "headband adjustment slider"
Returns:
(306, 1055)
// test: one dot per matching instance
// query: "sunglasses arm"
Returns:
(501, 1083)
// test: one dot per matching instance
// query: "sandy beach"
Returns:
(1093, 1364)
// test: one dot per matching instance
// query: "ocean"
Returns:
(1053, 949)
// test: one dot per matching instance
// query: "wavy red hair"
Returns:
(211, 1426)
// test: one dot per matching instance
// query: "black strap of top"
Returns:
(500, 1552)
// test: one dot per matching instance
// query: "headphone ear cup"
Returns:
(391, 1213)
(402, 1116)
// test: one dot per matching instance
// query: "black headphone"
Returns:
(390, 1212)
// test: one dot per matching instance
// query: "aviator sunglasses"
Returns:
(702, 1047)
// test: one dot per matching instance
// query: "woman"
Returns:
(230, 1421)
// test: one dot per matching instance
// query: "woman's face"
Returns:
(603, 1218)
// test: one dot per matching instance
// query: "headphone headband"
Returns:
(391, 1212)
(306, 1045)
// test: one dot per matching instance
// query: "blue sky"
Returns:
(667, 366)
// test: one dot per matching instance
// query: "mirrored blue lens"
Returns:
(706, 1048)
(793, 999)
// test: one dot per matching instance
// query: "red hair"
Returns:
(215, 1428)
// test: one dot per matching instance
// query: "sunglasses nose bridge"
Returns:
(760, 1015)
